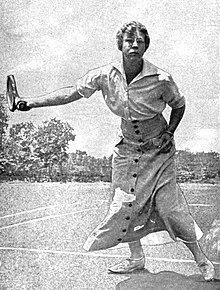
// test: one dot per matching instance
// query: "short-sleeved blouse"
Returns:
(143, 98)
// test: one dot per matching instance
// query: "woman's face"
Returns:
(133, 45)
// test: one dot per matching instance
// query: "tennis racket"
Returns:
(12, 96)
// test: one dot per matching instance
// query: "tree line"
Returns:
(39, 153)
(198, 167)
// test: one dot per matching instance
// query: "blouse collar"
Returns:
(148, 69)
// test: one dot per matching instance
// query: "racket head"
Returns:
(11, 93)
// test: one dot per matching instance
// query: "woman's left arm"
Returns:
(175, 118)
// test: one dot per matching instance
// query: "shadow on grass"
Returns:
(166, 280)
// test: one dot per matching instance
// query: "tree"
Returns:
(3, 120)
(3, 127)
(51, 143)
(18, 150)
(31, 152)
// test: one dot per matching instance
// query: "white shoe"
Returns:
(207, 269)
(128, 266)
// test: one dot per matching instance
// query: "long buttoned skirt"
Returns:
(145, 196)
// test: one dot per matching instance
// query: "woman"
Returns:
(146, 198)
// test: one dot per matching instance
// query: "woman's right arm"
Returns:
(59, 97)
(85, 87)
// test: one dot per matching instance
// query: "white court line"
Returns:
(43, 218)
(72, 204)
(201, 204)
(94, 254)
(67, 204)
(205, 193)
(28, 211)
(46, 207)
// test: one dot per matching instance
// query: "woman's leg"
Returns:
(197, 252)
(135, 262)
(205, 266)
(136, 250)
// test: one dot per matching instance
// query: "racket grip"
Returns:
(22, 106)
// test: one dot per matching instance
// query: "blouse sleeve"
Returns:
(172, 96)
(89, 83)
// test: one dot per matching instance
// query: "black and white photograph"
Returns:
(109, 145)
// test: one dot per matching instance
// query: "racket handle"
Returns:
(22, 106)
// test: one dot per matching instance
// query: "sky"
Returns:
(47, 45)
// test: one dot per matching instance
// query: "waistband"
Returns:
(143, 130)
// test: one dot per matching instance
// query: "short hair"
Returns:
(132, 26)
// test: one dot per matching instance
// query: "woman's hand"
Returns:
(167, 136)
(166, 142)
